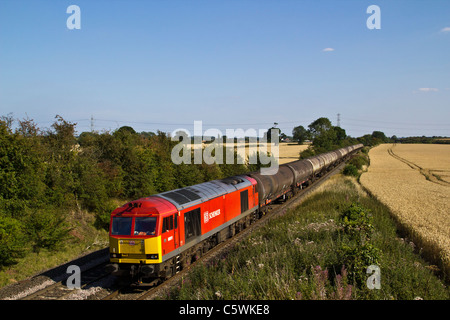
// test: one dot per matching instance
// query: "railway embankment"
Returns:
(320, 250)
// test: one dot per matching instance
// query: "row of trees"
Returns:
(326, 137)
(323, 136)
(45, 174)
(423, 139)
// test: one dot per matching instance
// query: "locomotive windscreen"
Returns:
(121, 226)
(144, 226)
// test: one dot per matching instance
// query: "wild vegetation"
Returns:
(319, 250)
(357, 164)
(412, 180)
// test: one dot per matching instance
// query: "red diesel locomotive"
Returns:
(157, 235)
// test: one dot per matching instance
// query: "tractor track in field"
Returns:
(428, 174)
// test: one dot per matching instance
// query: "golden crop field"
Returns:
(432, 159)
(290, 152)
(286, 152)
(413, 181)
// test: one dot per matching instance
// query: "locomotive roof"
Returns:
(189, 196)
(148, 205)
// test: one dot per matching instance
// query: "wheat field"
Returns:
(287, 152)
(433, 159)
(290, 152)
(413, 181)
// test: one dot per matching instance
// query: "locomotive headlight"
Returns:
(152, 256)
(115, 255)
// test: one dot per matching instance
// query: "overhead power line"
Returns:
(401, 123)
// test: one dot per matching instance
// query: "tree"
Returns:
(47, 229)
(62, 139)
(319, 127)
(12, 240)
(61, 151)
(325, 137)
(374, 139)
(22, 168)
(340, 133)
(300, 134)
(380, 135)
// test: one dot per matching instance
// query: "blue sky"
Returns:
(229, 63)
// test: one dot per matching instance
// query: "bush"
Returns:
(309, 152)
(359, 253)
(359, 161)
(357, 221)
(46, 229)
(358, 258)
(350, 170)
(11, 241)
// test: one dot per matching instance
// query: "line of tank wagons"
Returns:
(295, 175)
(156, 236)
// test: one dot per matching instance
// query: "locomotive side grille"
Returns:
(177, 197)
(189, 194)
(182, 196)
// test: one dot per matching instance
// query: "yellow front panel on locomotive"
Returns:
(131, 246)
(136, 250)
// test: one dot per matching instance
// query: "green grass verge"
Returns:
(312, 253)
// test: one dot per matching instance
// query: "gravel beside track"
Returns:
(32, 285)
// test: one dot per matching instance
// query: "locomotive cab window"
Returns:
(145, 226)
(121, 226)
(167, 224)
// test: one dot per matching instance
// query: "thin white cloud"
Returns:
(328, 49)
(429, 89)
(446, 29)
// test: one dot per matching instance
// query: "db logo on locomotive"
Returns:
(209, 215)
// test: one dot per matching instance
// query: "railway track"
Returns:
(60, 291)
(51, 284)
(276, 210)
